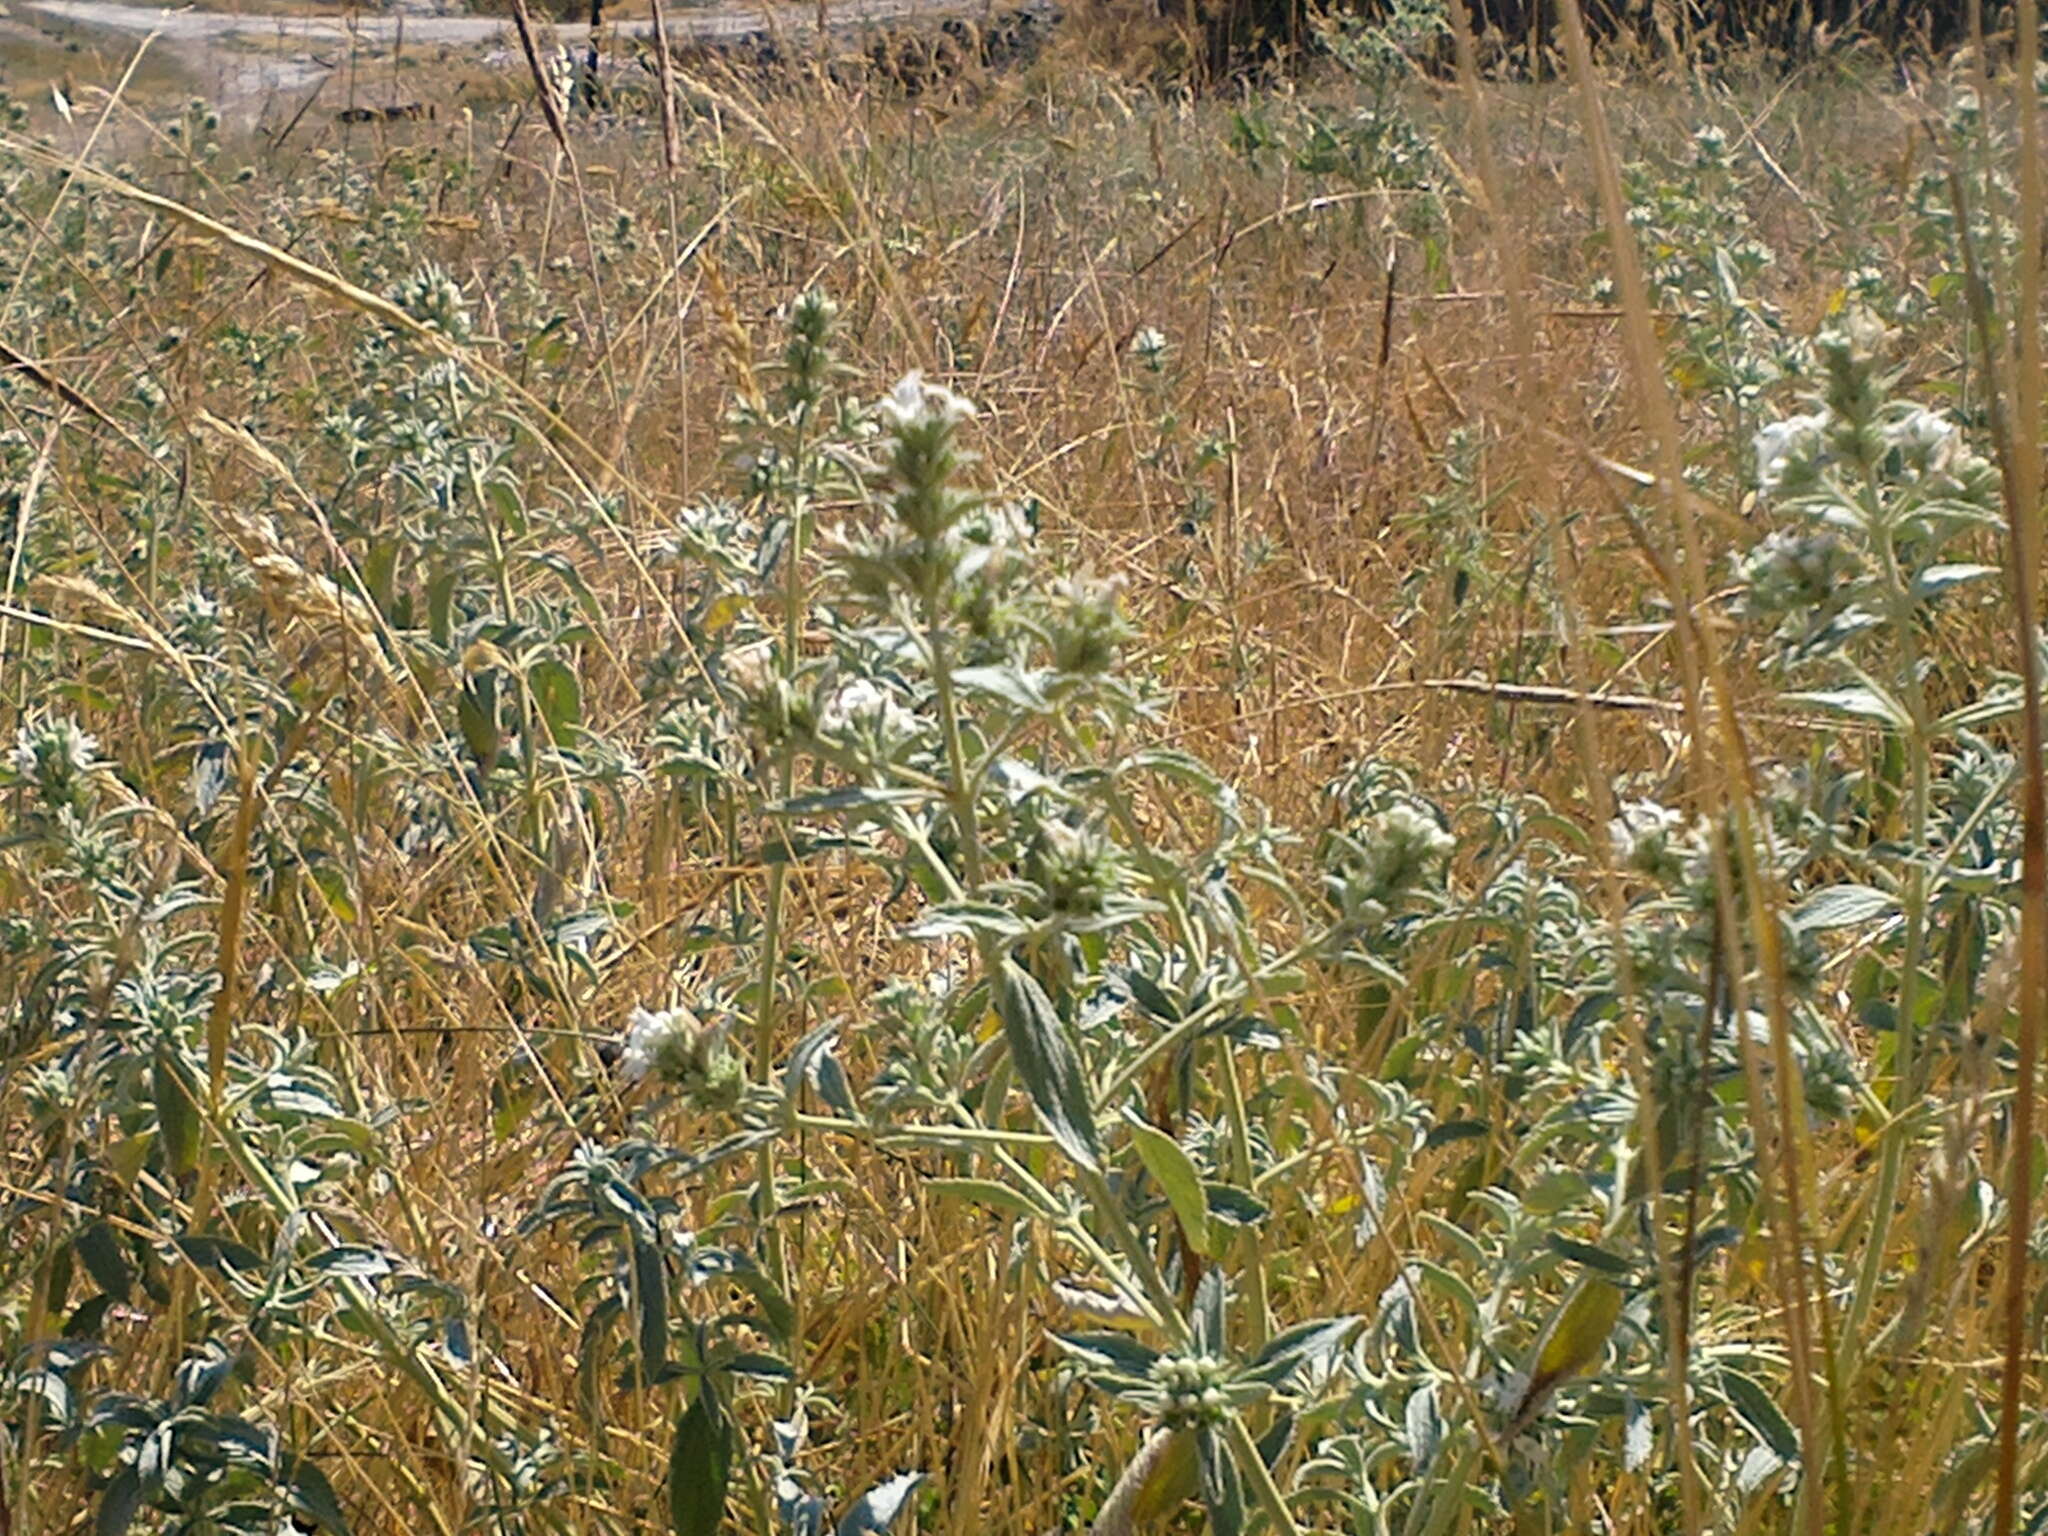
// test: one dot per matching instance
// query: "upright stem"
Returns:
(1905, 1062)
(962, 786)
(778, 872)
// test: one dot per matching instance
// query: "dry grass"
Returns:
(1010, 233)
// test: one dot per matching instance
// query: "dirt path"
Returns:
(686, 24)
(246, 62)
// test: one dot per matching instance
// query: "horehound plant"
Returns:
(1067, 1086)
(938, 703)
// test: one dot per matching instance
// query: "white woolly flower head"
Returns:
(674, 1048)
(1788, 451)
(1927, 440)
(864, 707)
(913, 403)
(55, 755)
(750, 668)
(651, 1036)
(1655, 840)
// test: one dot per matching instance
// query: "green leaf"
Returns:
(1221, 1490)
(1755, 1408)
(313, 1496)
(380, 574)
(1169, 1482)
(1585, 1253)
(1455, 1130)
(1842, 906)
(103, 1260)
(1995, 703)
(1012, 686)
(476, 711)
(1860, 703)
(877, 1509)
(1231, 1205)
(1424, 1424)
(853, 797)
(177, 1113)
(1575, 1338)
(1151, 996)
(350, 1260)
(1109, 1351)
(986, 1192)
(967, 919)
(650, 1302)
(1187, 768)
(205, 1251)
(1047, 1064)
(775, 1307)
(1289, 1349)
(1169, 1164)
(699, 1464)
(118, 1504)
(441, 607)
(1209, 1314)
(1937, 579)
(557, 695)
(332, 880)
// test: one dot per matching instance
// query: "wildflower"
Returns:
(1788, 570)
(1829, 1078)
(866, 708)
(750, 668)
(1849, 352)
(1750, 256)
(914, 403)
(924, 460)
(1194, 1389)
(1079, 870)
(1926, 440)
(434, 298)
(990, 553)
(1789, 452)
(1389, 857)
(1149, 346)
(58, 758)
(1650, 839)
(1710, 146)
(1865, 284)
(1088, 629)
(673, 1047)
(807, 356)
(1405, 846)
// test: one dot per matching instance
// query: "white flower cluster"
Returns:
(56, 756)
(750, 668)
(1407, 842)
(673, 1047)
(1927, 440)
(1788, 451)
(913, 403)
(1792, 569)
(649, 1037)
(1655, 840)
(433, 297)
(1392, 855)
(1791, 452)
(1194, 1389)
(863, 707)
(1149, 346)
